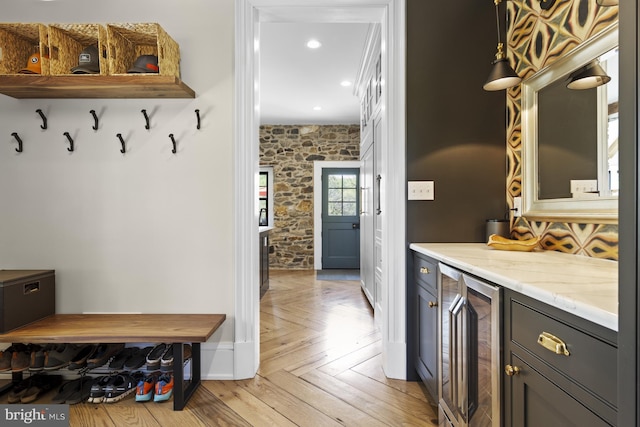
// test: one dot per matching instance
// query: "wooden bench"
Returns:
(130, 328)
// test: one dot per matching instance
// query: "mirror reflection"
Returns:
(578, 137)
(570, 135)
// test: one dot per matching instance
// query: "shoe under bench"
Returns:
(176, 329)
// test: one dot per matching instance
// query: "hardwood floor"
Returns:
(321, 365)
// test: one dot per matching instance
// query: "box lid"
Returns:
(7, 277)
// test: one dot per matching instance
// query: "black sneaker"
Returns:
(154, 357)
(84, 353)
(103, 353)
(98, 387)
(166, 362)
(123, 386)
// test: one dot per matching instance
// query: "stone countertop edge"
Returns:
(584, 286)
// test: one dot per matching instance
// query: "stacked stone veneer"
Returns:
(292, 150)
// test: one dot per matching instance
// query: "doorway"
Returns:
(341, 218)
(249, 14)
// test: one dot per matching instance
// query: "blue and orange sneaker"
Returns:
(145, 387)
(164, 388)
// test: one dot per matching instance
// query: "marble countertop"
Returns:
(586, 287)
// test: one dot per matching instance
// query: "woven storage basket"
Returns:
(128, 41)
(66, 42)
(18, 42)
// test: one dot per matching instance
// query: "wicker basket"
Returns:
(66, 42)
(18, 42)
(128, 41)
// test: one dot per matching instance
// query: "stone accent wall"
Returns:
(291, 150)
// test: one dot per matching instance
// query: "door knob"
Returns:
(433, 304)
(355, 226)
(511, 370)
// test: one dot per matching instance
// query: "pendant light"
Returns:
(502, 76)
(588, 77)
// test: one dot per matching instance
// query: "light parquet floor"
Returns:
(321, 365)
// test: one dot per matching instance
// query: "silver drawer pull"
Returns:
(553, 343)
(424, 270)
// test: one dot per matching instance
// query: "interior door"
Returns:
(340, 218)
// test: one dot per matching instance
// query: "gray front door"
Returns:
(340, 218)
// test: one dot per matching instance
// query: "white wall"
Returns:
(146, 231)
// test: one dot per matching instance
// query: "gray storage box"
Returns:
(26, 296)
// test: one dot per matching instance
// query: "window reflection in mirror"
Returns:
(578, 137)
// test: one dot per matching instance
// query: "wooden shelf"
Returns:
(94, 86)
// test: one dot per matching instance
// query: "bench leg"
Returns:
(181, 394)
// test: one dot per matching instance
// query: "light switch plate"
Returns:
(420, 190)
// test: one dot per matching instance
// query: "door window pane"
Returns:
(342, 195)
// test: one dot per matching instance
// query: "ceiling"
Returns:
(294, 78)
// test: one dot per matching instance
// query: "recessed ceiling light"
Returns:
(313, 44)
(345, 83)
(317, 108)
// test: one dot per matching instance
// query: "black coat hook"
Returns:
(95, 119)
(121, 142)
(198, 116)
(146, 118)
(70, 141)
(15, 135)
(174, 143)
(44, 119)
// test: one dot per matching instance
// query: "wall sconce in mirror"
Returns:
(608, 3)
(502, 75)
(590, 76)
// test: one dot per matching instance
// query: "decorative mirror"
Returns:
(570, 136)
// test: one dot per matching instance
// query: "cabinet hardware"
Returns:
(424, 270)
(511, 370)
(70, 149)
(553, 343)
(122, 150)
(433, 304)
(379, 208)
(15, 135)
(198, 117)
(146, 118)
(44, 119)
(174, 143)
(95, 120)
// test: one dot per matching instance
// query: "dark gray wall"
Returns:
(455, 129)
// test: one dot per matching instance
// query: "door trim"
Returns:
(246, 315)
(318, 167)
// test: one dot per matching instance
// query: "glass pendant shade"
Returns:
(588, 77)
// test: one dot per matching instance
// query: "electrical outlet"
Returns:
(517, 206)
(584, 186)
(420, 190)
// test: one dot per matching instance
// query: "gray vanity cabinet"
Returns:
(426, 360)
(560, 370)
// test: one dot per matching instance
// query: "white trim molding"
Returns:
(391, 14)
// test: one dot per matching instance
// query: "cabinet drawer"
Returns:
(591, 362)
(425, 272)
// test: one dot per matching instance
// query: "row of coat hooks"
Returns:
(95, 127)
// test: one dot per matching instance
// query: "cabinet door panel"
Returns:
(538, 402)
(427, 345)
